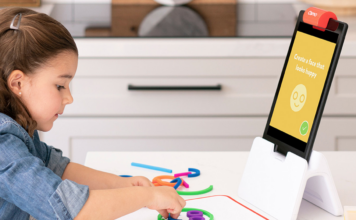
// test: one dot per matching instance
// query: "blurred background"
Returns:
(196, 76)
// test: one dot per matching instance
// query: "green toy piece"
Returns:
(194, 193)
(211, 216)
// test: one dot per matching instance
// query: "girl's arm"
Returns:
(115, 203)
(112, 197)
(100, 180)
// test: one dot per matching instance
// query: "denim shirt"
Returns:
(30, 178)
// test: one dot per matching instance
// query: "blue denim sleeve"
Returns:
(68, 199)
(26, 182)
(56, 162)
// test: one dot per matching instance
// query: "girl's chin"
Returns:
(45, 128)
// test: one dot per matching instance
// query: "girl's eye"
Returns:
(60, 87)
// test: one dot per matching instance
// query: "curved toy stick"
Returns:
(197, 172)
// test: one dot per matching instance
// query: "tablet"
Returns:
(304, 86)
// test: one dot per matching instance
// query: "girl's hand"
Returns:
(133, 181)
(166, 200)
(139, 181)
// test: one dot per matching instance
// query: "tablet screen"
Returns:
(302, 86)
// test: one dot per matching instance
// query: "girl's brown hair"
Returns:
(38, 39)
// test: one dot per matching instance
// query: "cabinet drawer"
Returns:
(248, 86)
(179, 67)
(111, 96)
(193, 67)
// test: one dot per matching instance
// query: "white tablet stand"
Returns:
(276, 183)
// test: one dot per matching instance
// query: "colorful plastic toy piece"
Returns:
(194, 213)
(206, 213)
(125, 176)
(151, 167)
(197, 218)
(197, 172)
(185, 184)
(158, 181)
(182, 174)
(179, 182)
(194, 193)
(170, 218)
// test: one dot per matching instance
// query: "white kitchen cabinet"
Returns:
(76, 136)
(100, 87)
(106, 116)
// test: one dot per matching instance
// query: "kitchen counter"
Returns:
(200, 47)
(80, 19)
(203, 48)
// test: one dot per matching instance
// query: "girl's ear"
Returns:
(16, 81)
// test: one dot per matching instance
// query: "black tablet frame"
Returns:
(281, 146)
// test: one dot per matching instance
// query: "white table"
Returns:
(223, 170)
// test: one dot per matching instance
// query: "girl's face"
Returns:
(46, 92)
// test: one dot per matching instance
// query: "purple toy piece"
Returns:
(194, 213)
(197, 218)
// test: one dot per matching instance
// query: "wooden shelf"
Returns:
(20, 3)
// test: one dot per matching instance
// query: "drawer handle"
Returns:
(184, 88)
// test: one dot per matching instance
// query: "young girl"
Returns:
(38, 59)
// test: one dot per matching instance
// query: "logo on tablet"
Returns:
(298, 97)
(312, 13)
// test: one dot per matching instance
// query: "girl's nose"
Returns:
(68, 99)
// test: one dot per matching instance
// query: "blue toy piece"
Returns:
(125, 175)
(170, 218)
(151, 167)
(197, 172)
(179, 181)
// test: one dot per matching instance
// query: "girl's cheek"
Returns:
(57, 100)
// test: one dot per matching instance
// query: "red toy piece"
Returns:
(319, 18)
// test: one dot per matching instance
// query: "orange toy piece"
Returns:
(157, 181)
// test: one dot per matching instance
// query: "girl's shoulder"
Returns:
(9, 126)
(14, 138)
